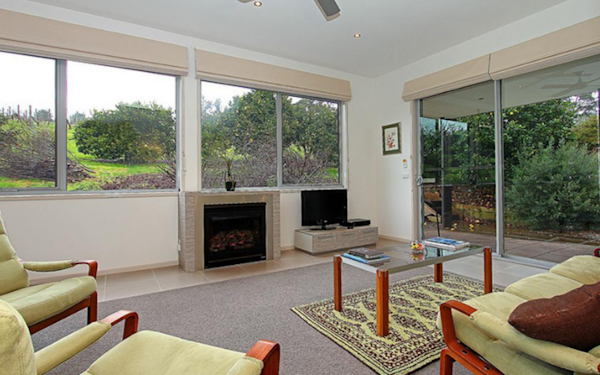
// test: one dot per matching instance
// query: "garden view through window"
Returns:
(121, 126)
(27, 124)
(240, 131)
(550, 142)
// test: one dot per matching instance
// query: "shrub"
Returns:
(556, 189)
(134, 133)
(28, 150)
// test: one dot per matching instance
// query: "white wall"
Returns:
(394, 194)
(142, 232)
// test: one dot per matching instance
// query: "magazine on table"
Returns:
(365, 253)
(446, 243)
(379, 260)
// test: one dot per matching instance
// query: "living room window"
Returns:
(71, 126)
(268, 139)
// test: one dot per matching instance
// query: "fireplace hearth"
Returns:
(234, 234)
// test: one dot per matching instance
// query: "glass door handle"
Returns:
(419, 181)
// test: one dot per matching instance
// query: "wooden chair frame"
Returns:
(91, 302)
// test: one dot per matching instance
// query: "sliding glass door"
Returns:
(547, 174)
(457, 168)
(551, 162)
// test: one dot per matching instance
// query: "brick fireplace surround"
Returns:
(191, 222)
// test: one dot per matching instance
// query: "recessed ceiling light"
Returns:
(258, 3)
(357, 35)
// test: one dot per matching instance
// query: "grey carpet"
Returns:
(234, 314)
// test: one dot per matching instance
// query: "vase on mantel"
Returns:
(230, 185)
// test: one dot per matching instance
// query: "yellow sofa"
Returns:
(479, 328)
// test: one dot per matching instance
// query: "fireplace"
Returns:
(234, 234)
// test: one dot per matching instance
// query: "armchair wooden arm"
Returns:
(92, 265)
(131, 321)
(457, 351)
(268, 352)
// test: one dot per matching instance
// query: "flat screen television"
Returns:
(324, 207)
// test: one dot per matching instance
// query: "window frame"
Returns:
(342, 141)
(61, 187)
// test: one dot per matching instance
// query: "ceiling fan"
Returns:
(580, 84)
(329, 8)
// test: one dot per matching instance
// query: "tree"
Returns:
(556, 188)
(134, 133)
(76, 118)
(586, 133)
(43, 115)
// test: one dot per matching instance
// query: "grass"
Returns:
(102, 172)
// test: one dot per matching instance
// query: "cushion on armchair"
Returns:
(582, 268)
(149, 353)
(570, 319)
(15, 343)
(12, 274)
(550, 352)
(39, 302)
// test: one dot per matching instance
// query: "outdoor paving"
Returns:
(554, 250)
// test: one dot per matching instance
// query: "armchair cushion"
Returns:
(568, 319)
(12, 274)
(48, 266)
(15, 343)
(247, 366)
(37, 303)
(552, 353)
(149, 353)
(584, 269)
(543, 285)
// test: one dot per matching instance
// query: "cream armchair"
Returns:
(45, 304)
(143, 353)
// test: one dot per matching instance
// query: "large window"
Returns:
(72, 126)
(268, 139)
(458, 165)
(546, 206)
(27, 122)
(551, 162)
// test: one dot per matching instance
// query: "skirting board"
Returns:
(286, 248)
(392, 238)
(37, 279)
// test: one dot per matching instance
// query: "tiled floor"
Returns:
(149, 281)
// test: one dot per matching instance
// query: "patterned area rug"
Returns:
(414, 338)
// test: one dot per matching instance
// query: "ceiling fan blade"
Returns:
(328, 7)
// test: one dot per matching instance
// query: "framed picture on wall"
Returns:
(391, 139)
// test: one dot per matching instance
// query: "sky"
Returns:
(29, 81)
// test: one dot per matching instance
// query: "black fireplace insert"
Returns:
(234, 234)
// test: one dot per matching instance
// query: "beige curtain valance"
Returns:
(569, 44)
(233, 70)
(28, 34)
(459, 76)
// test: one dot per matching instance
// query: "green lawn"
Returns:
(102, 172)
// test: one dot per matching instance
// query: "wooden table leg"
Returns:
(487, 270)
(438, 274)
(383, 300)
(337, 282)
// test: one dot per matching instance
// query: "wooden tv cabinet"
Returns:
(322, 241)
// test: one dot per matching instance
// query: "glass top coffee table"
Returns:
(402, 258)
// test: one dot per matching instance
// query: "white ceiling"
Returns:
(394, 32)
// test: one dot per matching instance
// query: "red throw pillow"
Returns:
(571, 319)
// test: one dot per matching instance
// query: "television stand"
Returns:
(323, 227)
(322, 241)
